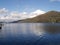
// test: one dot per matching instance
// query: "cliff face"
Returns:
(51, 16)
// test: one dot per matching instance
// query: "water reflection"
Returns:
(52, 28)
(0, 30)
(30, 34)
(23, 28)
(17, 29)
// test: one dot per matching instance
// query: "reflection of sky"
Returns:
(26, 29)
(36, 28)
(29, 32)
(21, 29)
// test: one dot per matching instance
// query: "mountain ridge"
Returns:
(50, 16)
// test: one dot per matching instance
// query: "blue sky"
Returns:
(30, 5)
(11, 10)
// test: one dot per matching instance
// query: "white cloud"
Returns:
(31, 14)
(24, 13)
(15, 15)
(54, 0)
(3, 11)
(36, 13)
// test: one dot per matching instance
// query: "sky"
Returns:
(30, 5)
(26, 8)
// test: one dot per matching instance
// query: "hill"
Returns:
(51, 16)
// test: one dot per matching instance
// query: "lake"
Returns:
(30, 34)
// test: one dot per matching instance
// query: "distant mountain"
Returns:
(51, 16)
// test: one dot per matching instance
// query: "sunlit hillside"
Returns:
(51, 16)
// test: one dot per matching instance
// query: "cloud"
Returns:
(54, 0)
(36, 13)
(3, 11)
(16, 15)
(24, 13)
(19, 15)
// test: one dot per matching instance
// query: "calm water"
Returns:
(30, 34)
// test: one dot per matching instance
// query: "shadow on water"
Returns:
(52, 28)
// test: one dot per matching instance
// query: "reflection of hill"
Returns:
(51, 16)
(52, 28)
